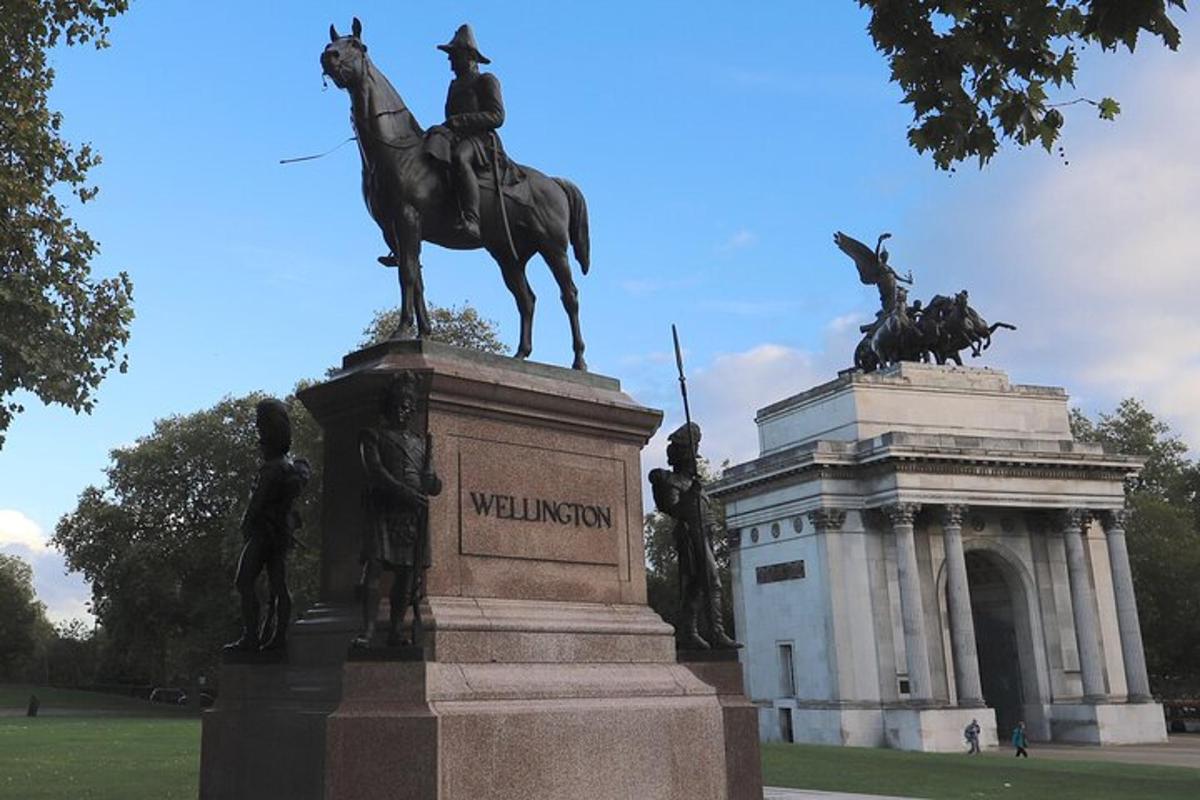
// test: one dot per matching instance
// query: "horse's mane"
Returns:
(384, 99)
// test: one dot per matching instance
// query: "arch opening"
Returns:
(994, 611)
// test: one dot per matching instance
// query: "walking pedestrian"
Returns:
(1019, 741)
(971, 732)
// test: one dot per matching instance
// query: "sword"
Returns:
(500, 196)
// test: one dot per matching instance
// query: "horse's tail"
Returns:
(996, 325)
(578, 225)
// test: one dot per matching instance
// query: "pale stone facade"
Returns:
(926, 545)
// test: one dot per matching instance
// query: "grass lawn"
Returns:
(954, 775)
(126, 757)
(65, 701)
(99, 758)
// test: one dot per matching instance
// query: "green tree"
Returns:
(975, 72)
(21, 617)
(1162, 536)
(457, 325)
(159, 542)
(61, 330)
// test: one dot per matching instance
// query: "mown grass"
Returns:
(960, 777)
(99, 758)
(126, 757)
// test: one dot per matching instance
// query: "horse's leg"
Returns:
(560, 266)
(522, 292)
(406, 245)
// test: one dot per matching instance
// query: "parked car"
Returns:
(173, 697)
(1183, 716)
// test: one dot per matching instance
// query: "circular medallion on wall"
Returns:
(1008, 524)
(977, 523)
(754, 534)
(798, 523)
(775, 530)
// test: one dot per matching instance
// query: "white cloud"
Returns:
(18, 529)
(740, 240)
(727, 393)
(1097, 262)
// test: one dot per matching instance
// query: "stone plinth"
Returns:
(1108, 723)
(545, 675)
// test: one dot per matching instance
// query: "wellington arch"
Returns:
(925, 545)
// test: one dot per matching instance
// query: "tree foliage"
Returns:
(159, 542)
(1163, 537)
(61, 330)
(21, 618)
(457, 325)
(978, 71)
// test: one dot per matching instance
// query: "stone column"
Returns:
(1127, 615)
(958, 596)
(1087, 625)
(920, 680)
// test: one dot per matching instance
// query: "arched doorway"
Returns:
(995, 618)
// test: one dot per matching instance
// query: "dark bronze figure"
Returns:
(397, 463)
(454, 186)
(269, 529)
(873, 268)
(900, 332)
(679, 493)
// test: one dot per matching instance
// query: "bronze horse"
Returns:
(410, 197)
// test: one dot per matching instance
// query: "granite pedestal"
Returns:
(543, 672)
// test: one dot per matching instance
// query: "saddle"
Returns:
(514, 178)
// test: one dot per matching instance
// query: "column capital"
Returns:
(1076, 519)
(901, 513)
(953, 513)
(824, 519)
(1114, 520)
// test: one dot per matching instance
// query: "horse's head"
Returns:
(344, 59)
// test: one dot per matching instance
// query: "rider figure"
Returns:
(474, 110)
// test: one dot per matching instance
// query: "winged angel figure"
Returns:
(873, 268)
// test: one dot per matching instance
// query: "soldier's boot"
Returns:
(691, 633)
(282, 613)
(370, 612)
(249, 639)
(716, 625)
(467, 187)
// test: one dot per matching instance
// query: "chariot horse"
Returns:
(411, 199)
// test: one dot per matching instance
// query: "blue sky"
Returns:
(719, 147)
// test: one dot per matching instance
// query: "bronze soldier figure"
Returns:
(679, 493)
(397, 462)
(269, 528)
(474, 111)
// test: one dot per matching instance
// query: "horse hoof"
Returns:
(521, 355)
(579, 364)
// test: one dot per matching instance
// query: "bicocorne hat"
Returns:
(464, 39)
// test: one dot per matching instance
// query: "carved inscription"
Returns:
(786, 571)
(532, 503)
(532, 509)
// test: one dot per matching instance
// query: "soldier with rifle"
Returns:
(679, 493)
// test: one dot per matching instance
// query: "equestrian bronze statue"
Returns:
(454, 186)
(903, 332)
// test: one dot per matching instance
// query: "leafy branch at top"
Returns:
(976, 72)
